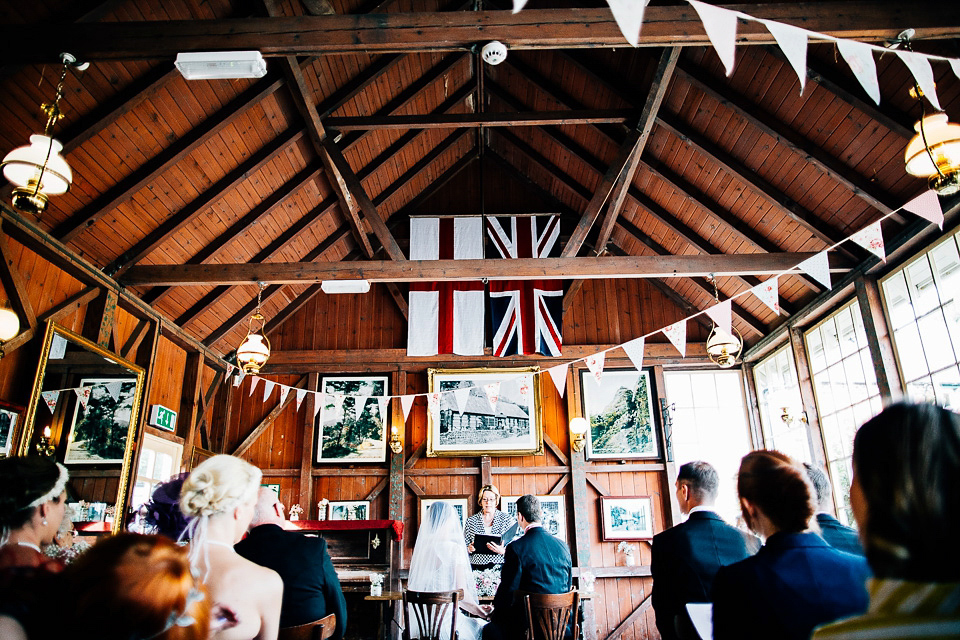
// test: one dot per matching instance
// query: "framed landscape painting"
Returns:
(350, 426)
(627, 517)
(554, 513)
(620, 413)
(484, 412)
(459, 504)
(350, 510)
(99, 431)
(9, 421)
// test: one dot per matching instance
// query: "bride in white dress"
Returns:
(440, 563)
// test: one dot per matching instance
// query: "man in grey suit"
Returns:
(685, 558)
(832, 531)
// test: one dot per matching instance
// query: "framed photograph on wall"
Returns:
(484, 412)
(460, 504)
(351, 427)
(620, 412)
(350, 510)
(9, 422)
(627, 517)
(99, 431)
(554, 513)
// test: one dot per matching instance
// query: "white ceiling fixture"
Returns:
(345, 286)
(221, 65)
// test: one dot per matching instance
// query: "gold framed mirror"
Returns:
(85, 412)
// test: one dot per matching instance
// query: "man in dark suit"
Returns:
(537, 562)
(834, 534)
(311, 589)
(685, 558)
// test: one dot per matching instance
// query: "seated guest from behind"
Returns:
(311, 589)
(796, 581)
(905, 496)
(220, 495)
(837, 535)
(33, 501)
(536, 563)
(686, 558)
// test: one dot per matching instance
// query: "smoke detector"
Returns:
(494, 52)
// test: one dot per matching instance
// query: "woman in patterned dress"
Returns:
(490, 521)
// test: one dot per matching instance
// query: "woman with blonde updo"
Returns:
(796, 581)
(220, 495)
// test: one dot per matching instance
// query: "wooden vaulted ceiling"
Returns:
(366, 114)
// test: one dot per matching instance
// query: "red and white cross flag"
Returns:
(446, 317)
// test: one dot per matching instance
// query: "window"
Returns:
(710, 424)
(781, 408)
(922, 306)
(845, 386)
(159, 460)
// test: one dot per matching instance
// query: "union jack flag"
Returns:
(526, 314)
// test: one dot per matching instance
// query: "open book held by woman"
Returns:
(440, 563)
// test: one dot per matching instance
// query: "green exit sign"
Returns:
(162, 418)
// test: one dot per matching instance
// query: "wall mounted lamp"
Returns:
(9, 325)
(578, 433)
(396, 444)
(789, 419)
(44, 446)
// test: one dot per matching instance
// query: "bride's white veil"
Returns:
(440, 561)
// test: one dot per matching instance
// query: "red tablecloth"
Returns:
(349, 525)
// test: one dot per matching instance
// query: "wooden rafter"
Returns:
(14, 285)
(55, 314)
(448, 31)
(470, 120)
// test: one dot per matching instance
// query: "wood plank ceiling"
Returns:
(230, 172)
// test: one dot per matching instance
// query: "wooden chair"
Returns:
(548, 614)
(317, 630)
(428, 610)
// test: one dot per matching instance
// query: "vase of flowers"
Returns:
(487, 581)
(295, 512)
(322, 509)
(627, 550)
(376, 584)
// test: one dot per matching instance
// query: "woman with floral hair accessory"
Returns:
(33, 500)
(220, 495)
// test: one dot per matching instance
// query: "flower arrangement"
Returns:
(322, 509)
(487, 581)
(66, 553)
(295, 512)
(627, 550)
(376, 584)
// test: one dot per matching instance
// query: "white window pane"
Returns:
(678, 390)
(832, 438)
(858, 325)
(815, 351)
(853, 369)
(146, 463)
(846, 333)
(831, 342)
(840, 472)
(838, 385)
(946, 264)
(824, 393)
(921, 390)
(704, 390)
(910, 350)
(164, 468)
(922, 289)
(848, 425)
(898, 301)
(141, 494)
(729, 390)
(951, 312)
(862, 412)
(946, 385)
(869, 374)
(936, 341)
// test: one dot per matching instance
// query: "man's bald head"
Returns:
(268, 510)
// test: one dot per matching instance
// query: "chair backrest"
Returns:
(317, 630)
(427, 612)
(548, 614)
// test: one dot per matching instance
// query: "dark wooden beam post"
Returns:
(581, 507)
(188, 418)
(807, 397)
(306, 453)
(15, 287)
(671, 508)
(60, 311)
(753, 405)
(878, 338)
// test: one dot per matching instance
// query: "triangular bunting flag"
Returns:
(793, 43)
(720, 314)
(871, 239)
(318, 402)
(460, 397)
(629, 17)
(721, 27)
(493, 394)
(433, 403)
(634, 351)
(83, 394)
(230, 369)
(382, 402)
(518, 5)
(677, 335)
(595, 365)
(955, 65)
(559, 376)
(50, 398)
(927, 206)
(818, 268)
(919, 66)
(406, 403)
(301, 394)
(113, 388)
(284, 390)
(359, 404)
(338, 399)
(859, 58)
(237, 379)
(769, 293)
(268, 386)
(253, 383)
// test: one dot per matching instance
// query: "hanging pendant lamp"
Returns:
(254, 351)
(723, 348)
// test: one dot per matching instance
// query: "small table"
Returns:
(384, 598)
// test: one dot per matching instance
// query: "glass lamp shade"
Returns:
(723, 348)
(253, 353)
(22, 166)
(943, 138)
(9, 324)
(578, 426)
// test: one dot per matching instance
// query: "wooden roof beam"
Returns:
(473, 120)
(675, 25)
(815, 155)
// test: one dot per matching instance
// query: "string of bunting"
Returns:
(926, 206)
(720, 25)
(52, 396)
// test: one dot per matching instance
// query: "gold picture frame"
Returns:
(466, 423)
